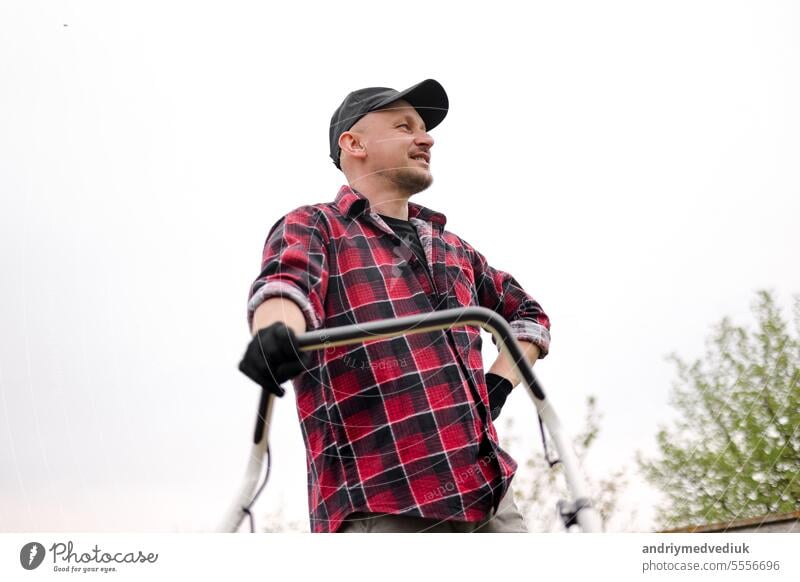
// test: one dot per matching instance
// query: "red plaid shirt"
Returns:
(397, 425)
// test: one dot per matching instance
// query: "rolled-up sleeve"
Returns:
(500, 292)
(294, 265)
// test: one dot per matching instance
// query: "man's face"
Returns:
(397, 145)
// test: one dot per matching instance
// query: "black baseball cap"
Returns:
(427, 97)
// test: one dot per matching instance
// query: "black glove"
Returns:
(499, 389)
(272, 357)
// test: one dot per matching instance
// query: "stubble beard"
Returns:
(409, 180)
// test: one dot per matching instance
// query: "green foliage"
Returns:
(734, 451)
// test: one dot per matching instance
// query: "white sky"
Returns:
(632, 164)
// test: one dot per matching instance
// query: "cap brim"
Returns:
(428, 98)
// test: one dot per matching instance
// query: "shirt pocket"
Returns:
(461, 285)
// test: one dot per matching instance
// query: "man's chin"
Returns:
(412, 180)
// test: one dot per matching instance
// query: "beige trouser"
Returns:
(507, 520)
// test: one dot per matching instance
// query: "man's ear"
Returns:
(353, 144)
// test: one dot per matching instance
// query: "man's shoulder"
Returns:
(320, 217)
(455, 240)
(313, 211)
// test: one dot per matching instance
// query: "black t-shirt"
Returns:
(408, 234)
(411, 244)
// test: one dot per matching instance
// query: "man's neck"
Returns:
(386, 202)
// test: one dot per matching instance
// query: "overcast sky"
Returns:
(632, 164)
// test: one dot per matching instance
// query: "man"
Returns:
(398, 432)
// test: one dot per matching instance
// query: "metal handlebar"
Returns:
(585, 515)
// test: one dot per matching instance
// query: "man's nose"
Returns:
(424, 139)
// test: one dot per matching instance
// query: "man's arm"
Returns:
(293, 282)
(266, 360)
(504, 367)
(285, 299)
(500, 292)
(279, 309)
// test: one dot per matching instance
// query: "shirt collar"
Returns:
(352, 202)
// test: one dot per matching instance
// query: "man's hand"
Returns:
(499, 388)
(503, 376)
(272, 357)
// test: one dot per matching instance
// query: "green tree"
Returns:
(734, 450)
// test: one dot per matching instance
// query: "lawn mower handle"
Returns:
(585, 515)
